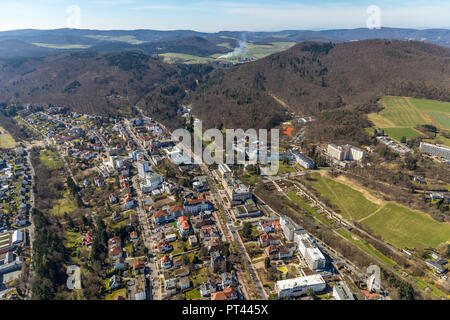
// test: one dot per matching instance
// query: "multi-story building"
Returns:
(143, 168)
(342, 292)
(304, 161)
(288, 228)
(152, 182)
(435, 150)
(297, 287)
(309, 250)
(236, 190)
(346, 152)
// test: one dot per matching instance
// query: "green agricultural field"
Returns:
(51, 159)
(398, 133)
(396, 224)
(173, 57)
(6, 140)
(61, 46)
(405, 228)
(401, 114)
(352, 204)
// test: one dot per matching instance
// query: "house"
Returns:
(265, 226)
(207, 288)
(115, 252)
(113, 242)
(166, 262)
(266, 239)
(176, 211)
(87, 240)
(195, 206)
(193, 240)
(114, 282)
(128, 202)
(162, 216)
(177, 263)
(112, 198)
(134, 236)
(139, 267)
(183, 226)
(209, 232)
(185, 283)
(164, 247)
(171, 286)
(229, 293)
(213, 244)
(272, 252)
(227, 279)
(171, 237)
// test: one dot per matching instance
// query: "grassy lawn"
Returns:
(366, 247)
(398, 133)
(64, 205)
(72, 239)
(51, 159)
(405, 228)
(193, 294)
(119, 292)
(352, 204)
(435, 292)
(6, 140)
(401, 114)
(285, 168)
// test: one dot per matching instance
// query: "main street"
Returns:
(226, 229)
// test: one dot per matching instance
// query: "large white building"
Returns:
(309, 250)
(152, 181)
(342, 292)
(304, 161)
(346, 152)
(435, 150)
(297, 287)
(143, 168)
(288, 228)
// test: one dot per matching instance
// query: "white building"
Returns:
(310, 252)
(435, 150)
(152, 181)
(297, 287)
(342, 292)
(17, 237)
(288, 228)
(304, 161)
(346, 152)
(143, 168)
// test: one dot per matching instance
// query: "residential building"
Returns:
(229, 293)
(304, 161)
(346, 152)
(342, 292)
(309, 250)
(207, 288)
(195, 206)
(435, 150)
(297, 287)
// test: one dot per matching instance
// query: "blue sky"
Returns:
(211, 16)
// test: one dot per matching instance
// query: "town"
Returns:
(142, 221)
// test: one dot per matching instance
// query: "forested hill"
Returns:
(312, 77)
